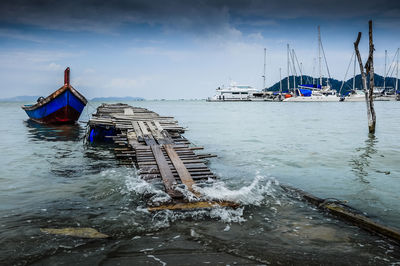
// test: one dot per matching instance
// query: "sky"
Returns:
(181, 49)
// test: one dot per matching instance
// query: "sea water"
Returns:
(50, 178)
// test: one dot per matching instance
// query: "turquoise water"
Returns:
(50, 179)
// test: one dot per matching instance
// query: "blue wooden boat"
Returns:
(64, 106)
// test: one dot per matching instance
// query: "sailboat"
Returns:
(355, 94)
(380, 93)
(313, 93)
(388, 93)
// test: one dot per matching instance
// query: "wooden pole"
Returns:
(369, 69)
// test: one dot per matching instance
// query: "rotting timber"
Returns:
(345, 212)
(155, 146)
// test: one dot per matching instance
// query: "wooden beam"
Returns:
(194, 205)
(128, 111)
(143, 127)
(158, 125)
(138, 132)
(156, 133)
(166, 173)
(183, 173)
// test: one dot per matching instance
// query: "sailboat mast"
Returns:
(301, 73)
(384, 76)
(265, 56)
(397, 71)
(294, 72)
(288, 74)
(280, 81)
(313, 71)
(319, 56)
(354, 74)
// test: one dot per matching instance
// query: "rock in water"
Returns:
(76, 232)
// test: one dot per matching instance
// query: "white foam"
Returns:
(253, 194)
(141, 187)
(260, 191)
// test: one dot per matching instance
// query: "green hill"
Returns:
(335, 84)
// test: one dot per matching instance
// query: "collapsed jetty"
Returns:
(155, 146)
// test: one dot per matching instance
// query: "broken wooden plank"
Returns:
(143, 127)
(193, 205)
(165, 171)
(137, 130)
(183, 173)
(128, 111)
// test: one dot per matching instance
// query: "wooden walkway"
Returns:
(155, 146)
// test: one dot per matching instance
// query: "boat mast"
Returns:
(265, 55)
(397, 72)
(294, 72)
(319, 56)
(280, 81)
(384, 76)
(354, 74)
(301, 73)
(288, 82)
(313, 71)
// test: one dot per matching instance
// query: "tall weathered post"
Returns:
(369, 69)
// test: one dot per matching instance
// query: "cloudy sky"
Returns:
(179, 49)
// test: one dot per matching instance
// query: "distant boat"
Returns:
(233, 93)
(64, 106)
(311, 93)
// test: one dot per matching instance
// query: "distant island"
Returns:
(32, 99)
(20, 99)
(115, 99)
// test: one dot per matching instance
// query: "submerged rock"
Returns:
(76, 232)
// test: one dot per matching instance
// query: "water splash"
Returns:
(261, 191)
(141, 187)
(257, 193)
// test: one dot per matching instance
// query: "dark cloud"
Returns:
(90, 15)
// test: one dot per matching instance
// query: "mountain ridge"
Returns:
(335, 84)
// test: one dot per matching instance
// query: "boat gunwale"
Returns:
(55, 95)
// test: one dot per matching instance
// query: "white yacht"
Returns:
(354, 96)
(359, 96)
(309, 93)
(235, 93)
(385, 94)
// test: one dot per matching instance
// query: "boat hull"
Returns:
(313, 99)
(64, 107)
